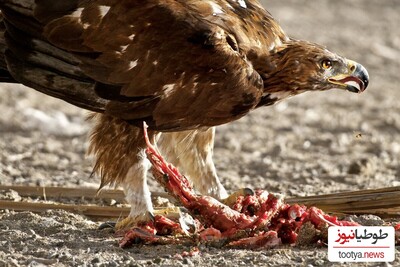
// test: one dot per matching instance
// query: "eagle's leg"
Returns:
(120, 160)
(191, 152)
(137, 194)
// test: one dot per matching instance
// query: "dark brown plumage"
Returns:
(183, 66)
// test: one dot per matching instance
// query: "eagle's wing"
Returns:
(178, 64)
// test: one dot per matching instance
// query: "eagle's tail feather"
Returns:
(5, 76)
(25, 57)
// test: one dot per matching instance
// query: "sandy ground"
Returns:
(308, 145)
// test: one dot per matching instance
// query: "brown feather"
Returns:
(116, 145)
(213, 81)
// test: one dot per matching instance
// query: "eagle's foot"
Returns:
(162, 226)
(133, 221)
(161, 230)
(232, 198)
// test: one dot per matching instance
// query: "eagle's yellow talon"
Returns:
(231, 199)
(149, 216)
(130, 222)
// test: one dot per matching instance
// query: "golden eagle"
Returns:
(182, 66)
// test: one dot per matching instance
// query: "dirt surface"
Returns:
(312, 144)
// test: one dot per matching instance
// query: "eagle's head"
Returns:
(299, 66)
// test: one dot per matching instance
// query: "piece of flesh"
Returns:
(253, 221)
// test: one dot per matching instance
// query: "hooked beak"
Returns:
(355, 80)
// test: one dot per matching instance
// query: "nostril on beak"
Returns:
(352, 68)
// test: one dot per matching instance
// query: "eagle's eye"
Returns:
(326, 64)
